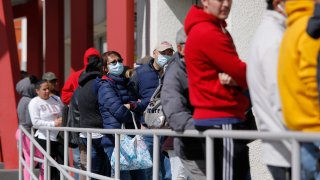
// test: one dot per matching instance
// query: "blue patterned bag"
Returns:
(134, 153)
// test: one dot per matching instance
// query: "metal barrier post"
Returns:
(20, 155)
(117, 156)
(89, 144)
(296, 169)
(31, 153)
(65, 151)
(156, 157)
(210, 158)
(48, 148)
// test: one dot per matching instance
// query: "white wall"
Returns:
(244, 18)
(167, 17)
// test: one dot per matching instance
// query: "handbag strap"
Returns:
(134, 122)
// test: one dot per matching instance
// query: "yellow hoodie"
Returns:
(297, 70)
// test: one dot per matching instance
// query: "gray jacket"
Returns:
(27, 90)
(178, 110)
(175, 96)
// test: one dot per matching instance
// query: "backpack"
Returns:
(153, 115)
(70, 118)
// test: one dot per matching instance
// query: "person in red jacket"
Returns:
(217, 82)
(72, 83)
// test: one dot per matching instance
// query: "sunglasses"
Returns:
(114, 62)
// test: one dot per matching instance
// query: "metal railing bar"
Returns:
(295, 137)
(32, 152)
(38, 160)
(295, 154)
(48, 157)
(89, 146)
(24, 163)
(210, 155)
(235, 134)
(48, 148)
(156, 157)
(117, 156)
(20, 155)
(83, 172)
(65, 150)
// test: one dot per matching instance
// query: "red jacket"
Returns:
(72, 83)
(210, 50)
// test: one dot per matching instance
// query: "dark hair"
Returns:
(107, 54)
(33, 79)
(38, 84)
(270, 4)
(94, 64)
(23, 74)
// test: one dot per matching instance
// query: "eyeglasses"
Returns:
(114, 62)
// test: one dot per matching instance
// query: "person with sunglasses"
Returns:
(115, 101)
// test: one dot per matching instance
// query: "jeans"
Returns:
(100, 163)
(164, 169)
(310, 157)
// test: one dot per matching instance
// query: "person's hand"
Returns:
(58, 122)
(225, 79)
(127, 106)
(129, 73)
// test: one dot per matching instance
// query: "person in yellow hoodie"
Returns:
(297, 78)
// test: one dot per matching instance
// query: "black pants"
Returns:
(56, 152)
(231, 156)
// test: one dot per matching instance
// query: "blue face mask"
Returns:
(115, 69)
(163, 60)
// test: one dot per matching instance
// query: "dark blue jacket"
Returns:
(112, 95)
(144, 80)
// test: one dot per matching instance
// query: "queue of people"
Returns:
(203, 86)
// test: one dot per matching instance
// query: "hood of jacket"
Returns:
(25, 88)
(196, 15)
(297, 9)
(89, 52)
(86, 77)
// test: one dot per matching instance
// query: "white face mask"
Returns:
(115, 69)
(163, 60)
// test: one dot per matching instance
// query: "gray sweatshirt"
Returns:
(27, 90)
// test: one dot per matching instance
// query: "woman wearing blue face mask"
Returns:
(115, 100)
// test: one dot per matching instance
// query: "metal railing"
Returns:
(209, 135)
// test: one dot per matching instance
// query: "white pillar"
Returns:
(24, 44)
